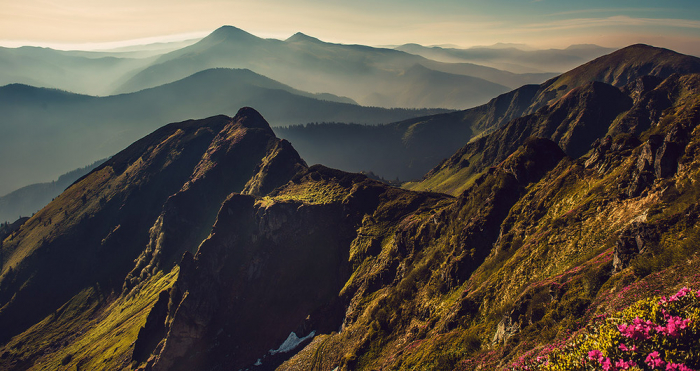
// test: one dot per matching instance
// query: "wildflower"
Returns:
(595, 355)
(654, 360)
(677, 367)
(625, 365)
(680, 294)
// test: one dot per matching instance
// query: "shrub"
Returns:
(652, 334)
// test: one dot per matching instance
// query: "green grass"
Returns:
(90, 332)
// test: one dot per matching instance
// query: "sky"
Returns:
(99, 24)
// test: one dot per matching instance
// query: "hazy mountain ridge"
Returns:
(84, 73)
(49, 132)
(512, 58)
(370, 76)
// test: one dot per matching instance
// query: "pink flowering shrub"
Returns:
(652, 334)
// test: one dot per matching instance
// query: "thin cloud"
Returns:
(611, 10)
(577, 23)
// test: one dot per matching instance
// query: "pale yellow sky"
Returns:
(90, 24)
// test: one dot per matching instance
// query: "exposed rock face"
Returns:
(267, 269)
(244, 156)
(632, 241)
(609, 153)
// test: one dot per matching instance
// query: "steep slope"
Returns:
(370, 76)
(618, 69)
(581, 116)
(49, 132)
(28, 200)
(89, 237)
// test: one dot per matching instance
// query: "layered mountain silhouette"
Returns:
(370, 76)
(210, 244)
(81, 72)
(512, 57)
(49, 132)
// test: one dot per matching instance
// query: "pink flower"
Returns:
(625, 365)
(680, 294)
(623, 347)
(677, 367)
(606, 364)
(595, 355)
(654, 360)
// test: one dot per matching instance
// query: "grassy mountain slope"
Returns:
(532, 250)
(29, 199)
(370, 76)
(76, 252)
(48, 132)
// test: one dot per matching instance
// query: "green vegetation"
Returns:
(94, 330)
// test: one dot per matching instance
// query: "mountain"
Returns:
(27, 200)
(80, 72)
(565, 115)
(210, 244)
(289, 267)
(301, 61)
(370, 76)
(409, 149)
(86, 241)
(512, 58)
(48, 132)
(509, 79)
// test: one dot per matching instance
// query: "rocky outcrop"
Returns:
(608, 152)
(267, 269)
(632, 241)
(245, 156)
(658, 159)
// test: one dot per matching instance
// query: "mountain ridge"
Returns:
(332, 270)
(68, 130)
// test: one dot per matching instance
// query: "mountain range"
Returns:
(570, 209)
(512, 57)
(370, 76)
(68, 130)
(409, 149)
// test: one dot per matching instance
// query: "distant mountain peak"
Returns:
(230, 32)
(300, 37)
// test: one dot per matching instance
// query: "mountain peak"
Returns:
(230, 32)
(301, 37)
(251, 119)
